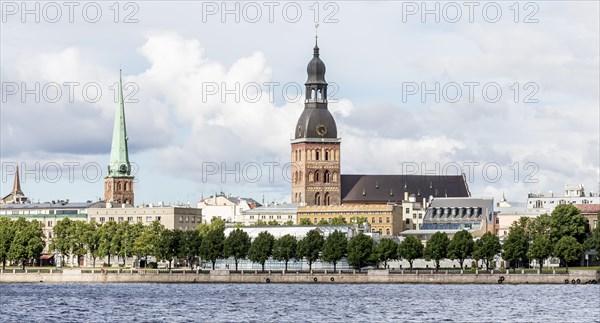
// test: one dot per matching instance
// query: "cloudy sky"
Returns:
(508, 94)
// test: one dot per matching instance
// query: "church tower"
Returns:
(316, 147)
(118, 185)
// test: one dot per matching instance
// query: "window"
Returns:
(101, 219)
(148, 219)
(315, 221)
(380, 220)
(50, 235)
(252, 217)
(373, 220)
(387, 219)
(387, 231)
(414, 216)
(407, 221)
(49, 224)
(111, 218)
(193, 219)
(158, 218)
(139, 219)
(180, 219)
(130, 218)
(407, 210)
(187, 219)
(120, 219)
(316, 176)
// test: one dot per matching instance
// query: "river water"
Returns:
(298, 302)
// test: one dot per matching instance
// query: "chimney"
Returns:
(405, 196)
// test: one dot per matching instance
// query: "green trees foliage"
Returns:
(387, 250)
(436, 248)
(340, 220)
(410, 249)
(261, 248)
(28, 241)
(305, 221)
(486, 248)
(540, 249)
(566, 220)
(212, 244)
(515, 245)
(461, 247)
(237, 245)
(285, 248)
(310, 247)
(7, 234)
(360, 248)
(567, 249)
(335, 248)
(189, 246)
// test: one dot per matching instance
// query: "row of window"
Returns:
(120, 219)
(316, 154)
(316, 177)
(264, 217)
(380, 231)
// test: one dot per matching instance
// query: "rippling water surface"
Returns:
(297, 302)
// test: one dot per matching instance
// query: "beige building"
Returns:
(383, 219)
(172, 217)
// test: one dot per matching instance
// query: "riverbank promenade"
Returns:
(416, 276)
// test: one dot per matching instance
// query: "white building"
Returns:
(225, 207)
(572, 195)
(285, 213)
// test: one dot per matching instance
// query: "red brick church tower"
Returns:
(316, 147)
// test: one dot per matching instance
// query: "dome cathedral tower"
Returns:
(316, 148)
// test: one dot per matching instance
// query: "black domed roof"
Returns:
(316, 123)
(316, 69)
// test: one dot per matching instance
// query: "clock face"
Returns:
(123, 168)
(299, 131)
(321, 130)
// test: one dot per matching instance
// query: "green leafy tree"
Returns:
(323, 222)
(540, 249)
(62, 239)
(78, 247)
(285, 248)
(593, 241)
(410, 249)
(28, 242)
(215, 224)
(212, 245)
(273, 223)
(260, 223)
(340, 220)
(237, 245)
(335, 248)
(387, 250)
(147, 242)
(129, 233)
(289, 223)
(358, 220)
(305, 221)
(461, 247)
(107, 233)
(168, 245)
(310, 246)
(7, 234)
(515, 245)
(91, 239)
(261, 248)
(568, 249)
(360, 248)
(566, 220)
(436, 248)
(539, 226)
(486, 248)
(189, 247)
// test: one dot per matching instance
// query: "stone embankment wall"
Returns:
(223, 276)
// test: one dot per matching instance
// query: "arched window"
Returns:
(318, 198)
(317, 155)
(326, 176)
(312, 94)
(316, 176)
(326, 200)
(335, 177)
(125, 186)
(119, 186)
(311, 177)
(326, 154)
(296, 177)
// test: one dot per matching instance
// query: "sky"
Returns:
(506, 94)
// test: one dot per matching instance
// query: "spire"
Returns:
(118, 164)
(17, 184)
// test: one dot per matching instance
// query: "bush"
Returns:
(152, 265)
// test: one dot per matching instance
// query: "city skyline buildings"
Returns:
(174, 133)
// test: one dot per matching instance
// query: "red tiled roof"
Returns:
(588, 208)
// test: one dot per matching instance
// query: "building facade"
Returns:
(382, 219)
(283, 214)
(172, 217)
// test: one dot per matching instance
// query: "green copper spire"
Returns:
(119, 166)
